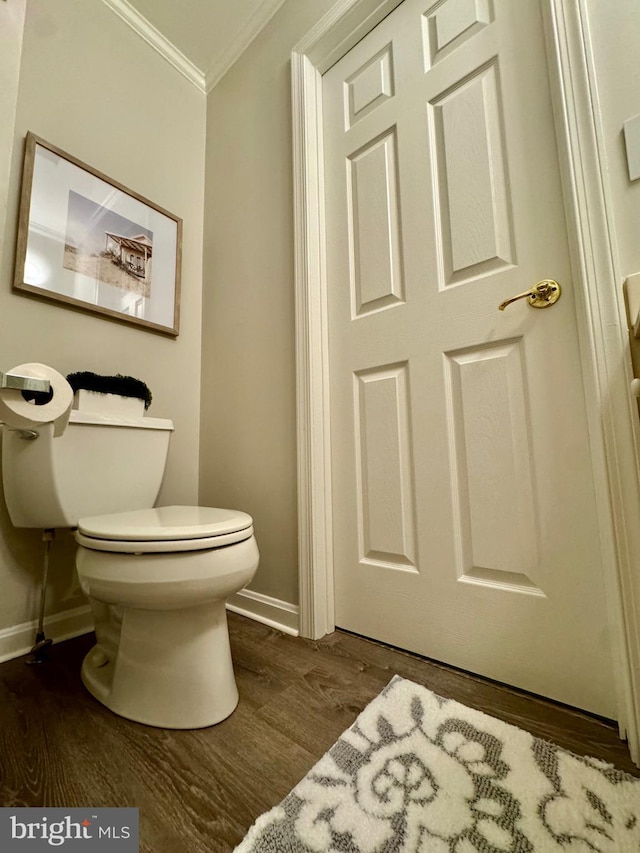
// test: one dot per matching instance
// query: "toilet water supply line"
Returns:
(39, 653)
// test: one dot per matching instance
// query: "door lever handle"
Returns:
(541, 295)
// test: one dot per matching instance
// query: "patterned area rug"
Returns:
(420, 774)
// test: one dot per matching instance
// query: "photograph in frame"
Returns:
(86, 241)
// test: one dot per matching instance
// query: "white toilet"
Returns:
(157, 579)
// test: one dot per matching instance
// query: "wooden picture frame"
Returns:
(88, 242)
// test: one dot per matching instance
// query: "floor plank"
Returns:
(201, 790)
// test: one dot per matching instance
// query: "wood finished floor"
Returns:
(201, 790)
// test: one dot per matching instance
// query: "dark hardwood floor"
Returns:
(201, 790)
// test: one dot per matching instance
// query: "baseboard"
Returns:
(270, 611)
(19, 639)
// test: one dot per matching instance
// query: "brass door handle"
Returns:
(541, 295)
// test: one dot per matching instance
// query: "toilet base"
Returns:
(170, 668)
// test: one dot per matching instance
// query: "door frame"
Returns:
(612, 416)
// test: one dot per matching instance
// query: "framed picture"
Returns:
(87, 241)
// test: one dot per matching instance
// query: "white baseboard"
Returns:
(270, 611)
(19, 639)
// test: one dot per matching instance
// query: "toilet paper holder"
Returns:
(24, 383)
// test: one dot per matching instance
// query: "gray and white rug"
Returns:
(420, 774)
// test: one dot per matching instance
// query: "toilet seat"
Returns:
(164, 530)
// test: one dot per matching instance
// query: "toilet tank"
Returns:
(99, 465)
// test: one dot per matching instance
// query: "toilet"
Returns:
(157, 578)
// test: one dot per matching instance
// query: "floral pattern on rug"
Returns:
(420, 774)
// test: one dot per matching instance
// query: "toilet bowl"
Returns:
(157, 581)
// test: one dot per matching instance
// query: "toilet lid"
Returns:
(166, 523)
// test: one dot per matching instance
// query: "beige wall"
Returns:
(248, 441)
(11, 31)
(78, 59)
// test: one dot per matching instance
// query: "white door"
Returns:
(463, 499)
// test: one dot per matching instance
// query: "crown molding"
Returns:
(249, 31)
(158, 42)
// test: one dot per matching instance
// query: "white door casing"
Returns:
(612, 437)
